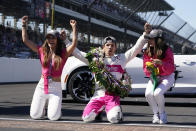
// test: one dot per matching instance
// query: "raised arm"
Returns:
(80, 55)
(71, 48)
(136, 49)
(77, 53)
(25, 38)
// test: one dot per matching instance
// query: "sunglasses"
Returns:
(50, 37)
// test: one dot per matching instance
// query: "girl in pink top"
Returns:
(53, 56)
(158, 53)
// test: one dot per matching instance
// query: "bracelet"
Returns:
(24, 26)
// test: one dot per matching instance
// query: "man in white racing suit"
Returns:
(116, 64)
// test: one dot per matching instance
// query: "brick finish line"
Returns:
(69, 126)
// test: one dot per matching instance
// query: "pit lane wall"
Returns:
(13, 70)
(29, 70)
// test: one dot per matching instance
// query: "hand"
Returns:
(149, 69)
(24, 20)
(157, 61)
(73, 23)
(147, 28)
(63, 35)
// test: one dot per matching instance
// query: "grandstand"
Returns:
(124, 19)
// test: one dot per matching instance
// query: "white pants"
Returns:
(54, 98)
(156, 98)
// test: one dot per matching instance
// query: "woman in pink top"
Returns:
(161, 56)
(53, 56)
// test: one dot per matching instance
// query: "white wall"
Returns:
(19, 70)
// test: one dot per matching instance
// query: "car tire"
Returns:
(80, 85)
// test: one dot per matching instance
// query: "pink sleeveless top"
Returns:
(50, 69)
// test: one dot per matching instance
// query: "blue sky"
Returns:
(186, 9)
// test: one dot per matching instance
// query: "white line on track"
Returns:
(81, 122)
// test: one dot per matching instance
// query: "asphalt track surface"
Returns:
(15, 100)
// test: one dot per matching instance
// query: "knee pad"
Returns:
(115, 115)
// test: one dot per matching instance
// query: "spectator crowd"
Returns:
(11, 43)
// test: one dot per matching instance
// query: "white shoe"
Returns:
(155, 119)
(163, 118)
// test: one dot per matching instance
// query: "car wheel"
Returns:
(80, 85)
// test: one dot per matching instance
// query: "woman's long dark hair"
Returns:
(158, 50)
(57, 58)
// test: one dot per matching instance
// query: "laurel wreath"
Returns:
(104, 78)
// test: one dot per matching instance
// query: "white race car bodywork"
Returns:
(186, 65)
(72, 64)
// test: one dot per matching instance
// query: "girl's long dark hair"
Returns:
(57, 58)
(158, 50)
